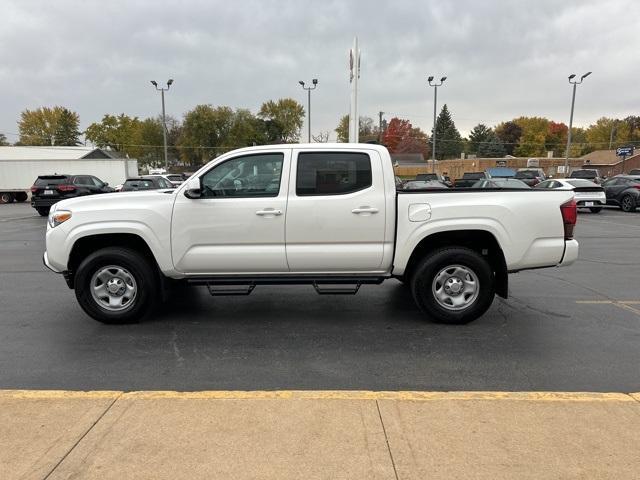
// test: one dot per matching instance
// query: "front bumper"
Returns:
(571, 249)
(45, 260)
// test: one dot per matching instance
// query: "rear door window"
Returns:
(332, 173)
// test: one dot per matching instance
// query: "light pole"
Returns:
(435, 86)
(164, 122)
(575, 83)
(308, 89)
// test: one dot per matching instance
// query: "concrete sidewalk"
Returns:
(313, 435)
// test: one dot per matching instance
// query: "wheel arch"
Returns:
(88, 244)
(481, 241)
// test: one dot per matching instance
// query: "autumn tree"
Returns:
(287, 117)
(205, 132)
(49, 126)
(3, 140)
(367, 129)
(534, 136)
(478, 135)
(117, 132)
(509, 134)
(396, 130)
(448, 139)
(608, 129)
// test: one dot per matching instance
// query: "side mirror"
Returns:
(193, 193)
(193, 189)
(106, 184)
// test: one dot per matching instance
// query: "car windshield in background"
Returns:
(138, 185)
(582, 183)
(51, 180)
(527, 174)
(175, 178)
(584, 174)
(473, 176)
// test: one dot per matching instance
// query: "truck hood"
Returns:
(117, 200)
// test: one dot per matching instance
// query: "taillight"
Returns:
(569, 212)
(66, 188)
(34, 189)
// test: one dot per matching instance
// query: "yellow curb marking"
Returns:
(624, 304)
(59, 394)
(321, 395)
(635, 396)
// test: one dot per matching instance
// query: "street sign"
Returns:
(624, 151)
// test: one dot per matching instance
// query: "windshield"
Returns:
(527, 174)
(584, 174)
(473, 176)
(51, 180)
(581, 183)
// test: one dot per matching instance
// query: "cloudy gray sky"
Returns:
(502, 58)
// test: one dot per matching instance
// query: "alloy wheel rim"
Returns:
(113, 288)
(455, 287)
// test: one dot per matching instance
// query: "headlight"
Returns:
(56, 217)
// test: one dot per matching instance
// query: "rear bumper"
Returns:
(571, 249)
(44, 202)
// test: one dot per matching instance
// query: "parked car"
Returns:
(469, 179)
(319, 214)
(176, 178)
(148, 182)
(399, 182)
(500, 183)
(587, 174)
(423, 184)
(173, 178)
(531, 176)
(501, 172)
(50, 189)
(635, 171)
(587, 193)
(427, 177)
(623, 191)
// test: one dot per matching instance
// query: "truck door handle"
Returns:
(269, 211)
(364, 210)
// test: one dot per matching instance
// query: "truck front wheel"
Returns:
(453, 285)
(116, 285)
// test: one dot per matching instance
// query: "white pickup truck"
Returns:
(326, 215)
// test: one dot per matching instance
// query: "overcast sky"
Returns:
(502, 58)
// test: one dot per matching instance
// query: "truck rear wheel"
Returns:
(6, 197)
(21, 197)
(116, 285)
(453, 285)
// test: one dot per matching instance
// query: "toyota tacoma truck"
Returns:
(326, 215)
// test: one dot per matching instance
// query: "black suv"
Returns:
(49, 189)
(624, 191)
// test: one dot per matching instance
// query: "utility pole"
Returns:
(573, 101)
(435, 86)
(354, 77)
(380, 114)
(308, 89)
(164, 120)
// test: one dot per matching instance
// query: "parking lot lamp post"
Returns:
(575, 83)
(308, 89)
(164, 121)
(435, 86)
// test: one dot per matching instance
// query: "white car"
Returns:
(326, 215)
(587, 193)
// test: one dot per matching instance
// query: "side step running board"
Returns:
(323, 285)
(228, 290)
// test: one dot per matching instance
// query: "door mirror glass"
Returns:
(193, 193)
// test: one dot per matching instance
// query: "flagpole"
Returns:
(354, 66)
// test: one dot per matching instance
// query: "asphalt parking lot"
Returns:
(570, 329)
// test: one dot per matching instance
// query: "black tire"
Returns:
(147, 290)
(435, 264)
(628, 203)
(43, 211)
(6, 197)
(21, 197)
(595, 209)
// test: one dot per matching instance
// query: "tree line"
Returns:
(206, 131)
